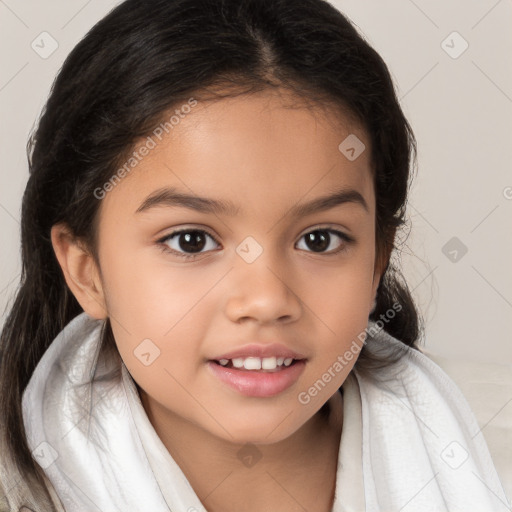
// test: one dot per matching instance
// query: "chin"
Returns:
(259, 430)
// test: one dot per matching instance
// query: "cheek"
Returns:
(341, 291)
(154, 315)
(339, 298)
(157, 332)
(147, 292)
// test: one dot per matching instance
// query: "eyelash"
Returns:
(165, 248)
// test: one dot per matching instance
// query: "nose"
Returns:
(262, 291)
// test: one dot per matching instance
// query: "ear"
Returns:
(80, 271)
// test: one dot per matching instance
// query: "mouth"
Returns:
(256, 364)
(250, 379)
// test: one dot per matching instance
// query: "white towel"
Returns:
(422, 449)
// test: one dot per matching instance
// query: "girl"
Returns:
(208, 318)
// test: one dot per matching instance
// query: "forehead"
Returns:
(266, 149)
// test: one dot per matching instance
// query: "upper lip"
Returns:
(261, 351)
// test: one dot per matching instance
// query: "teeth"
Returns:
(269, 363)
(238, 362)
(252, 363)
(256, 363)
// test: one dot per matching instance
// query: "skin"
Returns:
(266, 158)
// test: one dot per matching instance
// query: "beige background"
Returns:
(459, 106)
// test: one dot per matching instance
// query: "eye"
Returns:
(193, 240)
(321, 238)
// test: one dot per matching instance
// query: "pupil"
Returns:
(194, 241)
(318, 240)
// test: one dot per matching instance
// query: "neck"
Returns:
(305, 463)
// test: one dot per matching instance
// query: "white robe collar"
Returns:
(419, 449)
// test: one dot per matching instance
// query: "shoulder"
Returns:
(4, 503)
(4, 487)
(487, 388)
(4, 506)
(16, 494)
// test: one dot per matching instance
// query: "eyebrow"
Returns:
(172, 197)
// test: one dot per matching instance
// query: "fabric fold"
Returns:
(410, 441)
(423, 450)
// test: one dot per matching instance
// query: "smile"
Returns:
(257, 363)
(255, 381)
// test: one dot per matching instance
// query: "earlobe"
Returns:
(80, 271)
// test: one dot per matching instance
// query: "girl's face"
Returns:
(263, 266)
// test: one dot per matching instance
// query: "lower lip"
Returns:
(256, 383)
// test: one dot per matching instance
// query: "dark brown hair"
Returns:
(134, 65)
